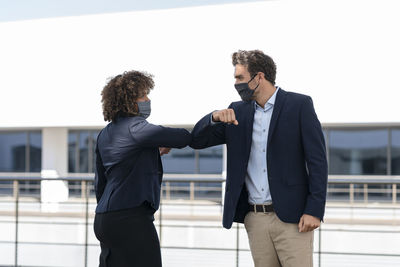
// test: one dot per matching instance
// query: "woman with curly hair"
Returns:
(129, 173)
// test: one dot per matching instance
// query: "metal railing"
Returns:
(356, 189)
(361, 187)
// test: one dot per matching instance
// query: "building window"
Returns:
(358, 152)
(82, 156)
(81, 151)
(21, 151)
(395, 151)
(180, 161)
(35, 151)
(210, 160)
(190, 161)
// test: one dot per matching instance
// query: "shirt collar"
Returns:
(270, 102)
(273, 97)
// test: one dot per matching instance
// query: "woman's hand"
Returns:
(164, 150)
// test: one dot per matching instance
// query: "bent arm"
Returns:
(206, 134)
(315, 155)
(150, 135)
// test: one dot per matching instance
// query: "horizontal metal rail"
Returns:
(86, 186)
(204, 178)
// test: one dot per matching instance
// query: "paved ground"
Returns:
(191, 235)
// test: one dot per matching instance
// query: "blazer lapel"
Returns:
(279, 102)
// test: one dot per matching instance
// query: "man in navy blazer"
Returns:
(276, 163)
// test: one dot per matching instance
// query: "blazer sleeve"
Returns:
(149, 135)
(100, 180)
(315, 156)
(206, 134)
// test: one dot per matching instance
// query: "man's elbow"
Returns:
(187, 140)
(196, 143)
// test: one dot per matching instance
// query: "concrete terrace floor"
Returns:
(192, 235)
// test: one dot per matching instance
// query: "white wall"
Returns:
(344, 53)
(55, 150)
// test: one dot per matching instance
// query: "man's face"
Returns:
(242, 75)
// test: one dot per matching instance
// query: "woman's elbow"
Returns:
(185, 139)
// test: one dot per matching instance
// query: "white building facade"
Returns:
(344, 54)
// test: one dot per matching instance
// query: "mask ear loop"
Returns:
(251, 80)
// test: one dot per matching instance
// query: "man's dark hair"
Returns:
(256, 61)
(121, 92)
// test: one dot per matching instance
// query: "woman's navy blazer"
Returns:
(128, 164)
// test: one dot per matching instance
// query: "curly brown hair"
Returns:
(121, 92)
(256, 61)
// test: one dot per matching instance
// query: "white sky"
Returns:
(343, 53)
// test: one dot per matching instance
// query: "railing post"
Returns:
(365, 193)
(394, 193)
(237, 245)
(86, 221)
(351, 193)
(15, 192)
(191, 191)
(83, 189)
(16, 195)
(168, 190)
(319, 245)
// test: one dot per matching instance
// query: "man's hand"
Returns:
(225, 115)
(164, 150)
(308, 223)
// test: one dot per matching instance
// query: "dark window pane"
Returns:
(72, 146)
(94, 140)
(210, 159)
(358, 152)
(13, 151)
(179, 161)
(396, 152)
(35, 152)
(83, 151)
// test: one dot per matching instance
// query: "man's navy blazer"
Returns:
(128, 164)
(296, 157)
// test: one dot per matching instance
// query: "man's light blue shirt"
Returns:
(257, 175)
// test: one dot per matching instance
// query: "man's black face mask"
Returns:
(244, 90)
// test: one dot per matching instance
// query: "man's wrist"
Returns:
(212, 121)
